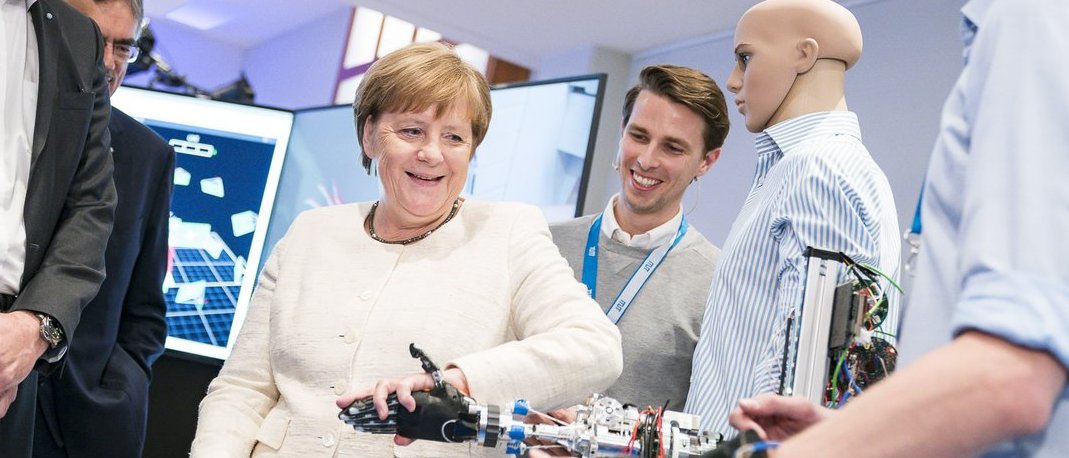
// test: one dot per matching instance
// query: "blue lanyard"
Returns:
(913, 239)
(916, 227)
(638, 278)
(913, 235)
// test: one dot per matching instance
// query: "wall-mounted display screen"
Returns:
(227, 165)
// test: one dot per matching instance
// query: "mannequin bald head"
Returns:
(791, 56)
(832, 26)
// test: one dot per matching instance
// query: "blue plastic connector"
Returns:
(520, 407)
(517, 433)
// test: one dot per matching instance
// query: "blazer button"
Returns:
(350, 337)
(339, 387)
(328, 440)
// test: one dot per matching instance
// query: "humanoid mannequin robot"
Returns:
(816, 186)
(792, 60)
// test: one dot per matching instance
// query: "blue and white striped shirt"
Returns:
(815, 186)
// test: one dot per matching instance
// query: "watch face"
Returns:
(49, 331)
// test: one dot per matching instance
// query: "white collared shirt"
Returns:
(653, 238)
(18, 102)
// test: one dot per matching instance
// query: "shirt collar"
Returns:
(790, 133)
(974, 12)
(651, 239)
(29, 4)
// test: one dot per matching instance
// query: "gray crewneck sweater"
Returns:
(660, 328)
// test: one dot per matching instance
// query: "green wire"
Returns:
(835, 377)
(878, 272)
(878, 306)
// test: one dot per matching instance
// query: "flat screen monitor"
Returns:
(228, 162)
(537, 150)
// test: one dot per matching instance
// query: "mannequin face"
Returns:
(764, 71)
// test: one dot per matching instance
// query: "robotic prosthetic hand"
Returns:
(440, 414)
(603, 426)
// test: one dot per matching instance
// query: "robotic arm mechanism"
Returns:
(603, 426)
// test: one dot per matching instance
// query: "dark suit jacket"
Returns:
(70, 197)
(123, 329)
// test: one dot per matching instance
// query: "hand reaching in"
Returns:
(776, 417)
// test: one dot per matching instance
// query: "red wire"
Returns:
(631, 443)
(660, 432)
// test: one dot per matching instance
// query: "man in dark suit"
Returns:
(98, 405)
(56, 196)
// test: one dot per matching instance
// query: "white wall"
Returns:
(295, 70)
(912, 56)
(205, 62)
(298, 69)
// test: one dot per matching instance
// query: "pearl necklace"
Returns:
(374, 236)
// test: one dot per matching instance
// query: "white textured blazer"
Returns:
(335, 311)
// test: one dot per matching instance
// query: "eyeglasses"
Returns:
(123, 51)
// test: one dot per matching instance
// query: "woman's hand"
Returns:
(776, 417)
(403, 387)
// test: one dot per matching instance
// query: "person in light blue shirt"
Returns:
(986, 329)
(816, 186)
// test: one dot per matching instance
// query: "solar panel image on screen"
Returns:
(537, 150)
(202, 294)
(227, 165)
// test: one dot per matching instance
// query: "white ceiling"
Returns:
(527, 31)
(523, 32)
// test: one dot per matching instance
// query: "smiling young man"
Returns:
(675, 121)
(816, 186)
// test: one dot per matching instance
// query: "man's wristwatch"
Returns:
(50, 331)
